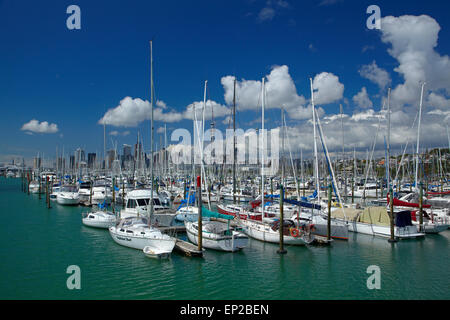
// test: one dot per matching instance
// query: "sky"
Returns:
(58, 86)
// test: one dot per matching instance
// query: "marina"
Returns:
(179, 170)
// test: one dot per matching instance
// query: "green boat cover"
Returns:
(214, 214)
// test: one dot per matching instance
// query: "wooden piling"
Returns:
(420, 206)
(200, 225)
(329, 214)
(391, 216)
(281, 250)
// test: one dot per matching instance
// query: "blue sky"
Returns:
(72, 77)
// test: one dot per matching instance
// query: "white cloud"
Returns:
(438, 101)
(413, 40)
(39, 127)
(211, 107)
(362, 100)
(266, 13)
(117, 133)
(328, 87)
(160, 130)
(280, 92)
(375, 74)
(130, 112)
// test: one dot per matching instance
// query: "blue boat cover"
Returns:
(403, 219)
(303, 204)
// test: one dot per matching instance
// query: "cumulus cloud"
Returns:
(39, 127)
(438, 101)
(117, 133)
(266, 13)
(328, 87)
(412, 41)
(375, 74)
(362, 100)
(130, 112)
(212, 107)
(280, 93)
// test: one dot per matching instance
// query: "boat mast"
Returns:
(151, 129)
(316, 162)
(234, 142)
(262, 150)
(388, 160)
(418, 136)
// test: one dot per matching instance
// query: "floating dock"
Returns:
(187, 248)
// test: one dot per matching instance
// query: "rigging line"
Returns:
(404, 151)
(292, 162)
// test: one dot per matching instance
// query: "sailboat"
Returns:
(137, 231)
(269, 231)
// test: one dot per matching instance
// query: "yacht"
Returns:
(216, 235)
(138, 203)
(68, 195)
(135, 232)
(99, 219)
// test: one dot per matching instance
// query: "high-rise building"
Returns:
(72, 162)
(111, 155)
(37, 163)
(91, 160)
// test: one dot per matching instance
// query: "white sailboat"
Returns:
(216, 235)
(269, 232)
(137, 233)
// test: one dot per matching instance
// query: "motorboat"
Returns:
(68, 195)
(99, 219)
(138, 203)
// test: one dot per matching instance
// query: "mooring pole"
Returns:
(329, 214)
(200, 230)
(90, 193)
(39, 192)
(391, 215)
(48, 193)
(421, 206)
(123, 193)
(114, 195)
(28, 184)
(281, 224)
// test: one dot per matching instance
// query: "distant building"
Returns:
(79, 157)
(91, 160)
(37, 163)
(111, 155)
(72, 162)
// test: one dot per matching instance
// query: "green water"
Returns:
(38, 244)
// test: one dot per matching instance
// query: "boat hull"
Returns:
(140, 243)
(232, 243)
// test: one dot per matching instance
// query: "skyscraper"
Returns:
(91, 160)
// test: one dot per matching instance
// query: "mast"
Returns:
(282, 146)
(262, 150)
(151, 129)
(418, 136)
(388, 160)
(315, 146)
(234, 142)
